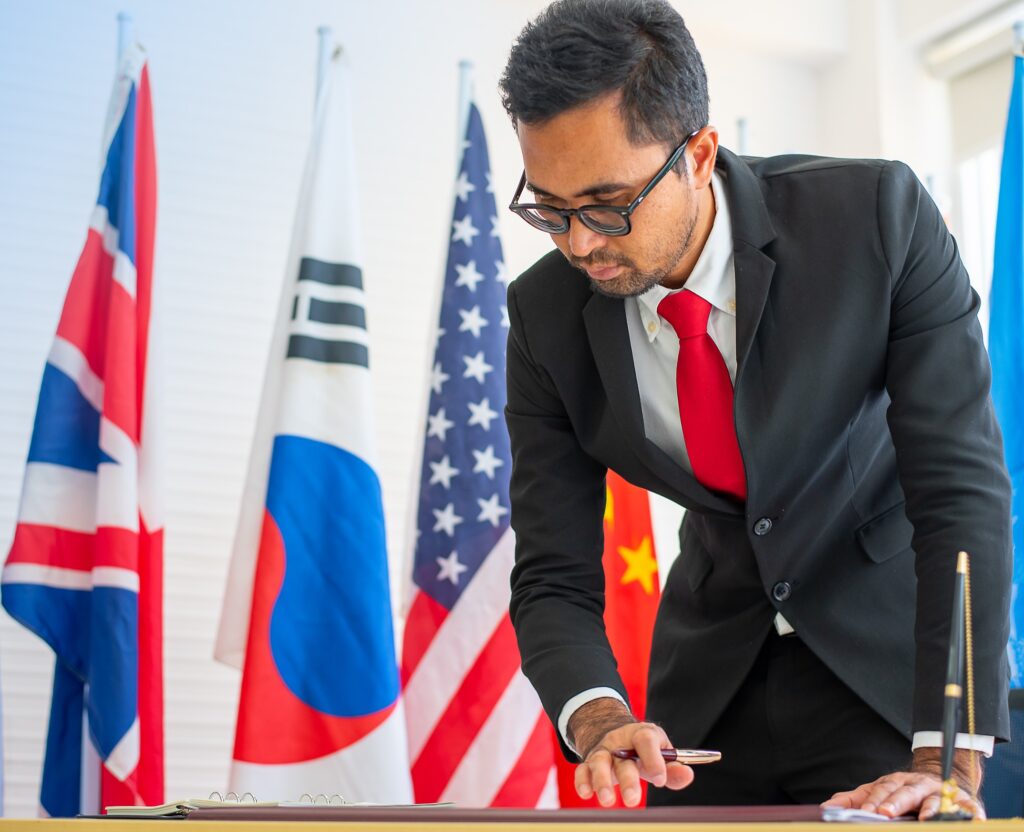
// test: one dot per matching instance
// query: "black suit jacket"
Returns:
(870, 446)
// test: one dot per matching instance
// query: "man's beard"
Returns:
(632, 281)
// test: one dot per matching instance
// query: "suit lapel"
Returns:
(605, 321)
(752, 230)
(754, 271)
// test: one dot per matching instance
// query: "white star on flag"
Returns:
(502, 275)
(447, 519)
(463, 187)
(490, 184)
(495, 227)
(482, 414)
(438, 377)
(450, 568)
(504, 317)
(464, 230)
(472, 321)
(476, 367)
(486, 462)
(468, 275)
(442, 472)
(438, 424)
(491, 511)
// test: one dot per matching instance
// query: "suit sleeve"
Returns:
(558, 495)
(948, 448)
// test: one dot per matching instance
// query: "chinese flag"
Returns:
(631, 601)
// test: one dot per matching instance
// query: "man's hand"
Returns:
(604, 725)
(917, 790)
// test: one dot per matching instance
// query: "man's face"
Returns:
(583, 157)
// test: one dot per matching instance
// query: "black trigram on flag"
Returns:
(328, 314)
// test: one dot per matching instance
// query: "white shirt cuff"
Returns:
(577, 702)
(974, 742)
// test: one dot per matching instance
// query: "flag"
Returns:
(1006, 345)
(85, 568)
(477, 735)
(308, 602)
(631, 603)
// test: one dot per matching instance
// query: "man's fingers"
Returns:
(678, 776)
(582, 778)
(601, 777)
(929, 806)
(628, 775)
(648, 742)
(879, 792)
(851, 799)
(599, 773)
(905, 798)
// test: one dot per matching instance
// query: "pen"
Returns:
(689, 756)
(954, 669)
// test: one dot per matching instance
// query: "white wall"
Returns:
(233, 86)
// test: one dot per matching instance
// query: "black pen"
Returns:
(954, 669)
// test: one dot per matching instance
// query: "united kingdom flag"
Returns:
(85, 568)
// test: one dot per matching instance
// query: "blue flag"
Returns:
(1006, 344)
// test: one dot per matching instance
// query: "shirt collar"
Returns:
(712, 277)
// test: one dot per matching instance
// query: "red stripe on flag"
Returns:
(151, 666)
(145, 224)
(84, 317)
(64, 549)
(421, 625)
(466, 713)
(121, 386)
(526, 781)
(99, 317)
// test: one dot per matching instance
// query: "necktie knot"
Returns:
(687, 312)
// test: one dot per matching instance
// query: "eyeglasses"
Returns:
(610, 220)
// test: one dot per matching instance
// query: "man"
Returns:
(787, 347)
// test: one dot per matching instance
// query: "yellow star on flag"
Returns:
(609, 506)
(640, 565)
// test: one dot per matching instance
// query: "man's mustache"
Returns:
(583, 263)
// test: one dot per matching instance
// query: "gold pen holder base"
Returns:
(949, 809)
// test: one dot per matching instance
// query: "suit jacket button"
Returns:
(762, 527)
(782, 590)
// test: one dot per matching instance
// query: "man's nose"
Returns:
(582, 240)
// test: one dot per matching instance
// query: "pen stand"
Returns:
(949, 809)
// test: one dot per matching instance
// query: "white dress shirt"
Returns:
(655, 348)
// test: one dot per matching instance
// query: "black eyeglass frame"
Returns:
(625, 211)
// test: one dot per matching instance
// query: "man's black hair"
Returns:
(578, 50)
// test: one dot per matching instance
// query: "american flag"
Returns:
(477, 734)
(85, 567)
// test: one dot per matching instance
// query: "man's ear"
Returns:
(702, 151)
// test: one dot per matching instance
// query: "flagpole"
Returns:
(324, 55)
(741, 136)
(465, 99)
(124, 33)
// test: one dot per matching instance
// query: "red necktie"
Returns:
(705, 397)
